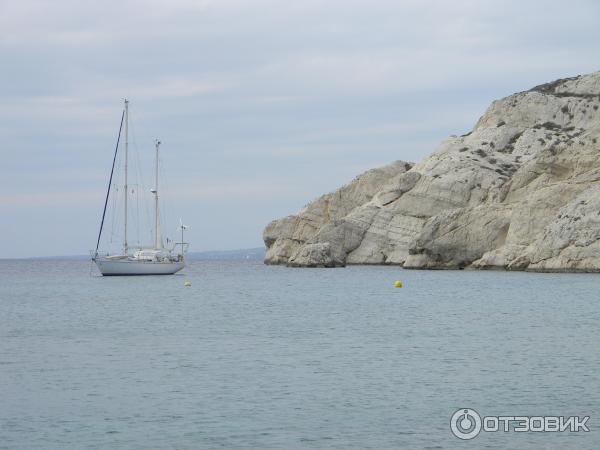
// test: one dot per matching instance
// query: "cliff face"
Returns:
(520, 192)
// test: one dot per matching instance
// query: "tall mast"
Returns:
(157, 237)
(125, 247)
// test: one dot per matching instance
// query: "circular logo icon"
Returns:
(465, 423)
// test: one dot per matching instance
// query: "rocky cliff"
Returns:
(520, 192)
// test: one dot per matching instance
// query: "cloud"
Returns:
(227, 191)
(260, 103)
(224, 191)
(48, 199)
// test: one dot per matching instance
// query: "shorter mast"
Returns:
(157, 234)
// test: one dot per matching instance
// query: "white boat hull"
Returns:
(110, 267)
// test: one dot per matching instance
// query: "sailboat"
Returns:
(155, 259)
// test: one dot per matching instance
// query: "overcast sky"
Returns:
(261, 105)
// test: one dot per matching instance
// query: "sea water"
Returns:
(255, 356)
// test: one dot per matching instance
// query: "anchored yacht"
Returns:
(156, 259)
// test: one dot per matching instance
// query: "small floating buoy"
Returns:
(187, 283)
(398, 283)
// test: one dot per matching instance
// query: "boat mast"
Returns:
(157, 237)
(126, 189)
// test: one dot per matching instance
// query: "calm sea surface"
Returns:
(253, 356)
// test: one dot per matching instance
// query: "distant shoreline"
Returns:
(256, 253)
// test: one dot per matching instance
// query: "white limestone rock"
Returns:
(315, 255)
(335, 217)
(516, 193)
